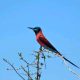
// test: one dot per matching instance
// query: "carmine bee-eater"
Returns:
(47, 45)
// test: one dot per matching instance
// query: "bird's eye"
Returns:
(35, 29)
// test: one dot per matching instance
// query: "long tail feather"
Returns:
(71, 62)
(60, 55)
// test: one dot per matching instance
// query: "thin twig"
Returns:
(70, 69)
(14, 69)
(38, 67)
(27, 73)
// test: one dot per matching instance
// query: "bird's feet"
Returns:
(40, 49)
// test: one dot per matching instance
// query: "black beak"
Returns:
(31, 28)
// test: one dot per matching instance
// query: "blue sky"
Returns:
(60, 21)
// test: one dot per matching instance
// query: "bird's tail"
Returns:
(71, 62)
(60, 55)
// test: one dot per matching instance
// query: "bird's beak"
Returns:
(30, 28)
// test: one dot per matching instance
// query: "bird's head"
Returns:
(35, 29)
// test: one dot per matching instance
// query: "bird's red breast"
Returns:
(40, 34)
(44, 42)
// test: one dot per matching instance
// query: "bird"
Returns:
(42, 40)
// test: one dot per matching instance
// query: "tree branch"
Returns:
(13, 68)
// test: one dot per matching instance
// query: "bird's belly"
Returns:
(41, 43)
(48, 48)
(44, 46)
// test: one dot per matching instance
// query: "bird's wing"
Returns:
(47, 43)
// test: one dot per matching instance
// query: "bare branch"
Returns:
(36, 65)
(27, 73)
(13, 68)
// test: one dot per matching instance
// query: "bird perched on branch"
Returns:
(47, 45)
